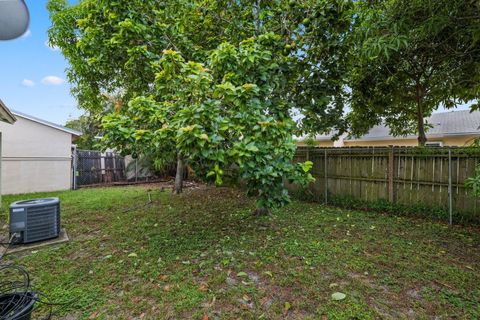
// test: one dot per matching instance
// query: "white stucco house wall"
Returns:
(6, 117)
(36, 155)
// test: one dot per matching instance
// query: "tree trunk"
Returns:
(178, 188)
(422, 138)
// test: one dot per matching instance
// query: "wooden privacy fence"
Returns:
(405, 176)
(94, 167)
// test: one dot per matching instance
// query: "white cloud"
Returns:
(27, 34)
(51, 47)
(52, 80)
(28, 83)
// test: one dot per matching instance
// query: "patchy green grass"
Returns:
(202, 253)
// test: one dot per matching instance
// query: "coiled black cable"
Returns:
(8, 244)
(17, 296)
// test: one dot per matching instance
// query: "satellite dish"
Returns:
(14, 19)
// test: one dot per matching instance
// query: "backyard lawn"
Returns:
(202, 255)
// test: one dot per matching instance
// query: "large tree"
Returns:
(409, 58)
(228, 114)
(112, 45)
(123, 48)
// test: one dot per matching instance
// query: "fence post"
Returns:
(390, 174)
(75, 159)
(136, 170)
(325, 178)
(450, 207)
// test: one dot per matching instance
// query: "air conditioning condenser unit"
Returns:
(34, 220)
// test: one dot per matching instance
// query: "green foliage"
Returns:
(310, 141)
(89, 126)
(473, 183)
(322, 45)
(265, 60)
(409, 58)
(111, 45)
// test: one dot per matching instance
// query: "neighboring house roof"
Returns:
(453, 123)
(5, 114)
(318, 137)
(46, 123)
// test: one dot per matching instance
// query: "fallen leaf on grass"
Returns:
(337, 296)
(287, 306)
(242, 274)
(132, 255)
(269, 273)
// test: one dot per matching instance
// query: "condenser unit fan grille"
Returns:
(42, 223)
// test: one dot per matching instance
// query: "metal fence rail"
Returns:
(433, 177)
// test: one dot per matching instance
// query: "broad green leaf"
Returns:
(337, 296)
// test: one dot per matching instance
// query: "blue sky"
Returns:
(32, 75)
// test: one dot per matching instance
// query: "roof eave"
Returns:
(318, 139)
(383, 138)
(434, 136)
(6, 114)
(48, 124)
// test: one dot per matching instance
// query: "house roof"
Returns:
(5, 114)
(46, 123)
(318, 137)
(452, 123)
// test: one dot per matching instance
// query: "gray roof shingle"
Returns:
(461, 122)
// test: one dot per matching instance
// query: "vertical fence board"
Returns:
(415, 176)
